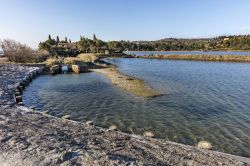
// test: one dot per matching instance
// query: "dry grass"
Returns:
(53, 61)
(88, 57)
(72, 60)
(79, 60)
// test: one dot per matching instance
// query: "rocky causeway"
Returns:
(29, 137)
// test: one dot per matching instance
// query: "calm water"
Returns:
(201, 101)
(140, 53)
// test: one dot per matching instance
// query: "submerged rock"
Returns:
(148, 134)
(89, 123)
(32, 107)
(45, 112)
(112, 127)
(66, 117)
(204, 145)
(20, 103)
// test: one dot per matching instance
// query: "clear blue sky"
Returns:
(30, 21)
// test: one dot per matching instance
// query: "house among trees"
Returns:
(57, 47)
(64, 49)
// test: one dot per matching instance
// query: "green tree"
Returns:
(57, 39)
(94, 38)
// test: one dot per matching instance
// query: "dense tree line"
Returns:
(241, 42)
(95, 45)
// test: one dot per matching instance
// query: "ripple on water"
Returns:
(201, 101)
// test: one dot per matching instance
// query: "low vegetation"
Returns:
(88, 57)
(21, 53)
(229, 58)
(80, 59)
(53, 61)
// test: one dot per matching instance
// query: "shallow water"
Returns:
(201, 101)
(140, 53)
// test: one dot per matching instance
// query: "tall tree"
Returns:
(94, 38)
(57, 39)
(49, 37)
(66, 39)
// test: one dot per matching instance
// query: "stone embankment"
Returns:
(29, 137)
(223, 58)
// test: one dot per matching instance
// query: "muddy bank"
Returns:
(128, 83)
(223, 58)
(29, 137)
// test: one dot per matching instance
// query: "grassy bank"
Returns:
(227, 58)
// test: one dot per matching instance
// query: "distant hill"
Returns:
(237, 42)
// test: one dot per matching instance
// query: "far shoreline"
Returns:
(196, 51)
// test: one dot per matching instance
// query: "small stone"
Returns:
(17, 93)
(32, 107)
(45, 112)
(112, 127)
(204, 145)
(188, 162)
(20, 103)
(19, 99)
(24, 83)
(66, 117)
(89, 123)
(148, 134)
(21, 88)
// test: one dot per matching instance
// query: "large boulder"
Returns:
(79, 68)
(55, 69)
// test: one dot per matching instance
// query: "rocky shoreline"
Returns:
(28, 137)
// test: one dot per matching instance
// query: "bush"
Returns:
(87, 57)
(54, 61)
(21, 53)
